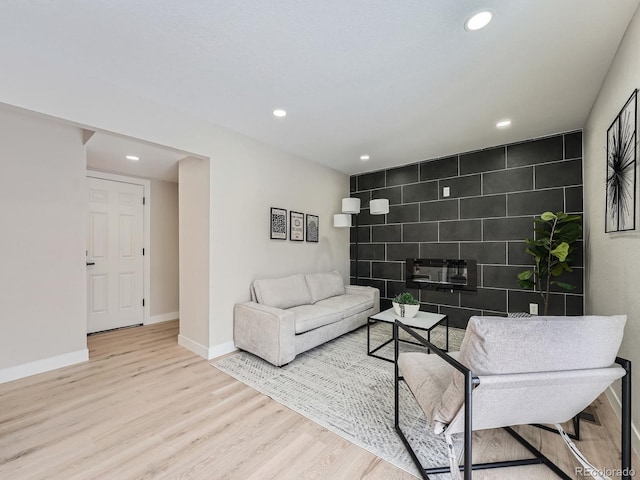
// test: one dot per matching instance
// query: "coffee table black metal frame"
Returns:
(389, 316)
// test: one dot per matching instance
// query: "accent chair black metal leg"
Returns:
(468, 426)
(396, 374)
(626, 419)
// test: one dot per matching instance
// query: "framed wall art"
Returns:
(313, 228)
(296, 226)
(278, 223)
(621, 169)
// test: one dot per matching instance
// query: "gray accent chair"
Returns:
(539, 370)
(290, 315)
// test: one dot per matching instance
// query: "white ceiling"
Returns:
(107, 153)
(400, 80)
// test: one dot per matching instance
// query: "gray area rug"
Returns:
(340, 387)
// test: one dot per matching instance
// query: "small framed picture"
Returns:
(313, 228)
(296, 226)
(278, 223)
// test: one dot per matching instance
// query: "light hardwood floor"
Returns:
(144, 407)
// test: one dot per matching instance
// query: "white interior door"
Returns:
(115, 262)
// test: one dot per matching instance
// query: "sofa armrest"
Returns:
(265, 331)
(369, 292)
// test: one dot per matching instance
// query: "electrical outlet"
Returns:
(533, 308)
(446, 191)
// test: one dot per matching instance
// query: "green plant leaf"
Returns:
(561, 252)
(525, 275)
(548, 216)
(566, 286)
(557, 270)
(527, 284)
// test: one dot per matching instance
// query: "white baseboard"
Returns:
(204, 352)
(164, 317)
(222, 349)
(616, 404)
(45, 365)
(195, 347)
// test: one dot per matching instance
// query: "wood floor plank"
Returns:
(145, 408)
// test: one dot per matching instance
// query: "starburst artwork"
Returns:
(621, 169)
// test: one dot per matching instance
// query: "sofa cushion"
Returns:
(324, 285)
(498, 345)
(282, 292)
(310, 317)
(348, 304)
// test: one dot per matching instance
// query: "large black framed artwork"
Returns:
(296, 226)
(313, 228)
(278, 223)
(621, 169)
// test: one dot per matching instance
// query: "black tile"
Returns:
(500, 276)
(370, 282)
(535, 203)
(574, 304)
(363, 196)
(517, 228)
(364, 234)
(573, 145)
(458, 317)
(393, 194)
(364, 269)
(484, 252)
(515, 180)
(470, 186)
(353, 183)
(429, 307)
(576, 259)
(420, 232)
(385, 304)
(440, 210)
(404, 213)
(559, 174)
(483, 207)
(420, 192)
(402, 175)
(440, 168)
(440, 297)
(485, 299)
(535, 151)
(387, 270)
(402, 251)
(369, 181)
(483, 161)
(439, 250)
(365, 218)
(386, 233)
(519, 302)
(573, 199)
(463, 230)
(369, 251)
(575, 278)
(396, 288)
(517, 254)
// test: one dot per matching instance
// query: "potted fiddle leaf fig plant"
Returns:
(556, 234)
(405, 305)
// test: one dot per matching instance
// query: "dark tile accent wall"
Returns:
(494, 195)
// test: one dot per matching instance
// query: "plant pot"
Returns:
(409, 311)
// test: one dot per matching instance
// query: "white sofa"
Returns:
(291, 315)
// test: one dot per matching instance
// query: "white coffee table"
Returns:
(426, 321)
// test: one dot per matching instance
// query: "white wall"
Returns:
(194, 220)
(43, 272)
(613, 260)
(240, 249)
(164, 250)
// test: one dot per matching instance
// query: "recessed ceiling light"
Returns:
(478, 20)
(503, 124)
(133, 158)
(279, 113)
(364, 158)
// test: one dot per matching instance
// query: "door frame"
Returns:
(146, 225)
